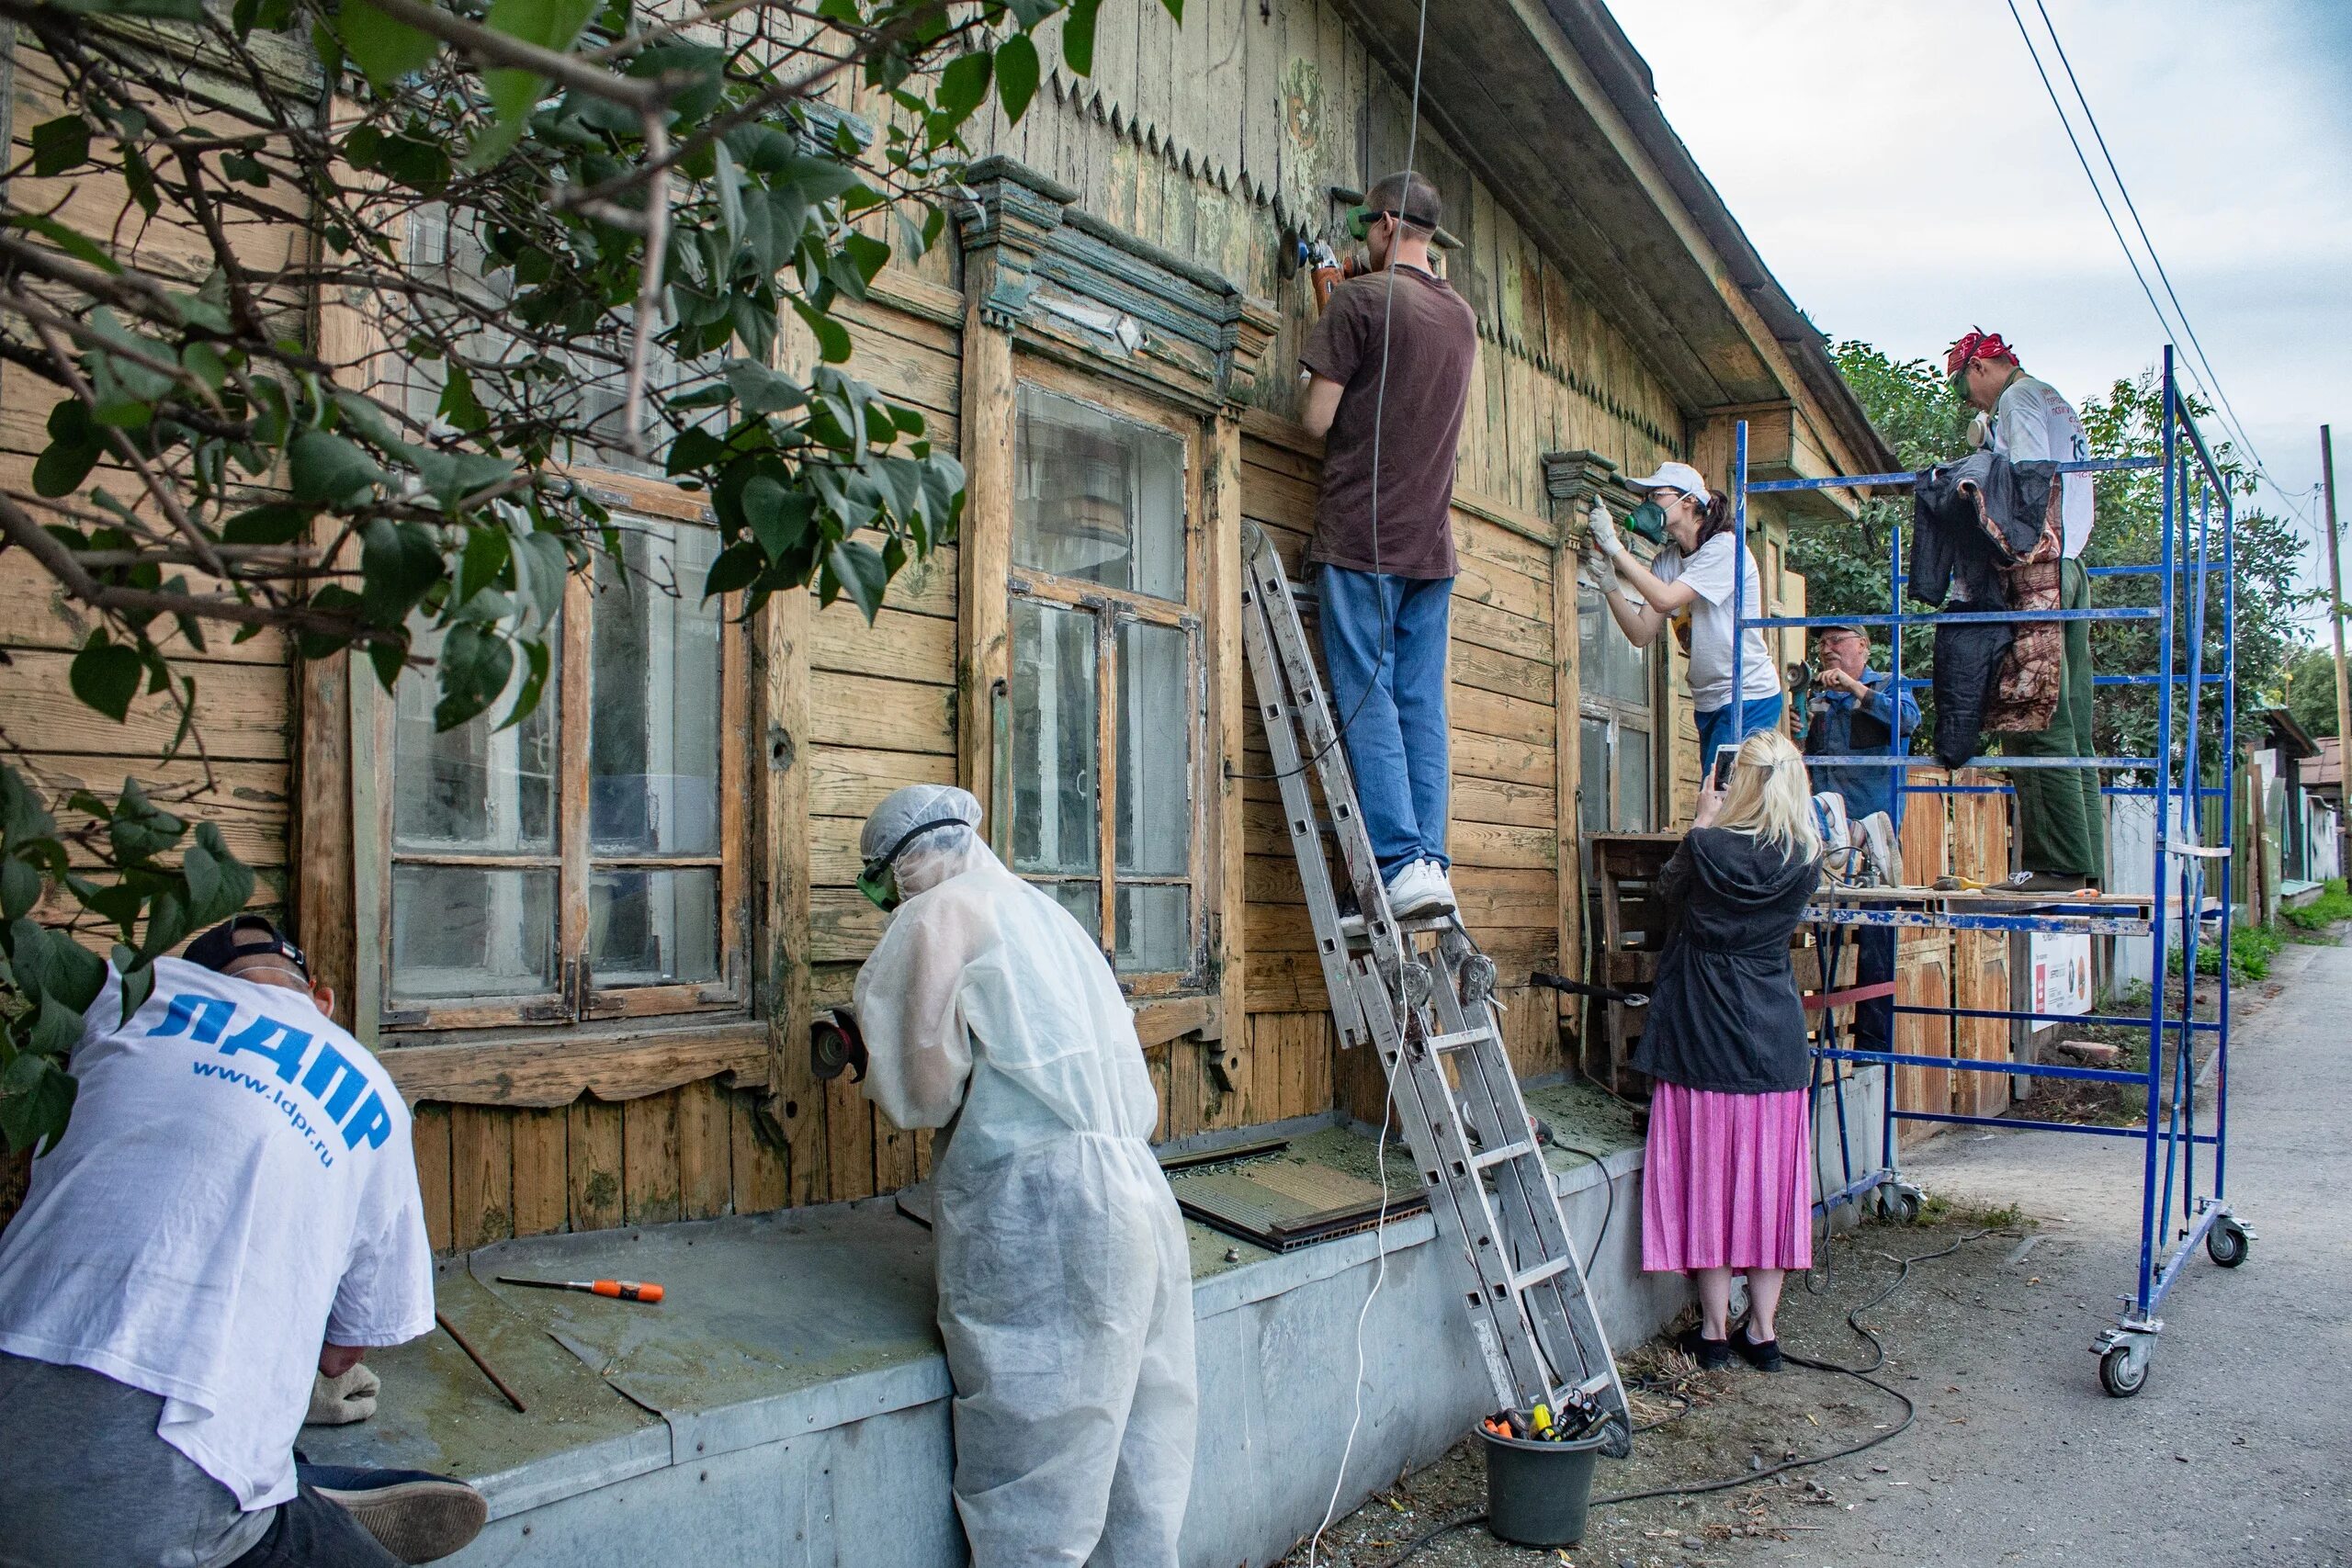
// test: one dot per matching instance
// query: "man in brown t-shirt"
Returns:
(1383, 553)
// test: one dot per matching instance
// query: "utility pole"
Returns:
(2343, 685)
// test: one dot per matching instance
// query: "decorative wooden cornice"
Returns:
(1074, 287)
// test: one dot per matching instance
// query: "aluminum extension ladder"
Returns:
(1421, 994)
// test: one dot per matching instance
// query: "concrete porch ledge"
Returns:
(787, 1403)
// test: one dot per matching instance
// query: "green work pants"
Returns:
(2060, 822)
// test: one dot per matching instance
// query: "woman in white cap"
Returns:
(1694, 571)
(1064, 1286)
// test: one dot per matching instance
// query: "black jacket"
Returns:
(1725, 1013)
(1956, 563)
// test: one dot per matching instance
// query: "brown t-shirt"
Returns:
(1433, 338)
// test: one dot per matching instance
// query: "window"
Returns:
(571, 867)
(1616, 724)
(1102, 796)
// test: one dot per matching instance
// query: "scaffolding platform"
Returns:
(2195, 602)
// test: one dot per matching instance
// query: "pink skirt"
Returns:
(1725, 1184)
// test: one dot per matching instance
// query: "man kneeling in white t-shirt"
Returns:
(233, 1207)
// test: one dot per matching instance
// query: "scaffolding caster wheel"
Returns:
(2228, 1242)
(2123, 1358)
(2123, 1371)
(1899, 1202)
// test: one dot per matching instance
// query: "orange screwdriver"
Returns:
(622, 1290)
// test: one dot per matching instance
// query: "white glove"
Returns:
(1603, 531)
(1980, 429)
(338, 1402)
(1598, 570)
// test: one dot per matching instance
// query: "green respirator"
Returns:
(880, 879)
(1648, 520)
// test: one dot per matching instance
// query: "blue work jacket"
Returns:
(1839, 725)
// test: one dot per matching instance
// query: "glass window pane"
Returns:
(653, 928)
(1633, 780)
(477, 788)
(1154, 827)
(1155, 928)
(1055, 824)
(654, 697)
(462, 931)
(1084, 901)
(1097, 497)
(1592, 779)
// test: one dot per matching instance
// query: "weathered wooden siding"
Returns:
(1214, 138)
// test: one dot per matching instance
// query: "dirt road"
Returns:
(2238, 1452)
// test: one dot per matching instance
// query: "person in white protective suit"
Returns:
(1064, 1284)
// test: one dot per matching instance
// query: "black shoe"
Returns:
(1713, 1355)
(1764, 1355)
(414, 1514)
(2042, 882)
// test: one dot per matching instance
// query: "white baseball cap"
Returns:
(1674, 475)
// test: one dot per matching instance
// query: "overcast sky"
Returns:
(1903, 173)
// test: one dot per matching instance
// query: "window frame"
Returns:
(574, 1007)
(1110, 607)
(1653, 714)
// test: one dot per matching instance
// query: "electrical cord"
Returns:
(1853, 1320)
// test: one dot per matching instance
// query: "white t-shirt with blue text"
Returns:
(237, 1186)
(1708, 571)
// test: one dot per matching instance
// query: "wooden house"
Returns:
(589, 949)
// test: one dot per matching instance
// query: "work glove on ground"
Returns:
(1603, 531)
(338, 1402)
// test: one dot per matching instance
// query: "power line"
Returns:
(2209, 381)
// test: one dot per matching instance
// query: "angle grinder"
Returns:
(835, 1045)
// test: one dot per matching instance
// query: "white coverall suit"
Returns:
(1065, 1283)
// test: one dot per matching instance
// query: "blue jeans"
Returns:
(1385, 643)
(1714, 726)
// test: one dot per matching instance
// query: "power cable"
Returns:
(2212, 391)
(1853, 1320)
(1379, 408)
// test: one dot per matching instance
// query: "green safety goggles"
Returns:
(1362, 219)
(880, 879)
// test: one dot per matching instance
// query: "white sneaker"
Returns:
(1420, 889)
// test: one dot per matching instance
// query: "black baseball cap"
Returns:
(242, 936)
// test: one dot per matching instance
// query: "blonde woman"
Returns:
(1725, 1189)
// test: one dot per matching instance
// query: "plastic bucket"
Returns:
(1537, 1492)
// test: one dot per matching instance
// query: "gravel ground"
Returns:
(2235, 1453)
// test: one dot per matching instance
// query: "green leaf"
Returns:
(475, 668)
(50, 963)
(453, 475)
(832, 338)
(458, 404)
(61, 144)
(737, 567)
(552, 25)
(385, 50)
(277, 522)
(760, 389)
(388, 655)
(327, 470)
(57, 1028)
(482, 562)
(1016, 74)
(779, 518)
(36, 1102)
(138, 980)
(964, 85)
(20, 889)
(398, 563)
(536, 663)
(1078, 35)
(105, 675)
(861, 573)
(73, 243)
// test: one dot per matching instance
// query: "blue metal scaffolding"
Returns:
(2170, 919)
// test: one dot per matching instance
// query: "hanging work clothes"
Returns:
(1985, 534)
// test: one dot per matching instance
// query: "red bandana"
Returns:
(1977, 344)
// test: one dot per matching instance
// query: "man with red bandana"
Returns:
(2059, 815)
